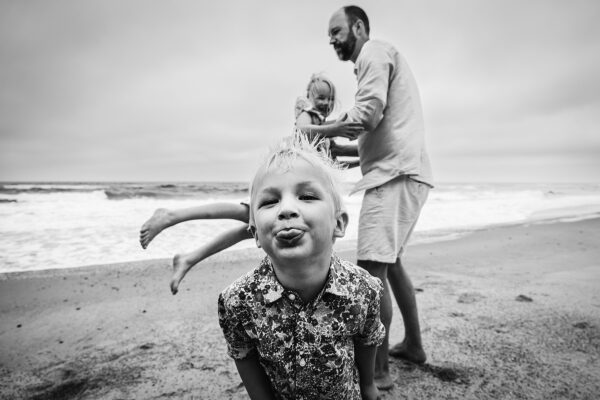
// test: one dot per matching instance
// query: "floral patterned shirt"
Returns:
(306, 349)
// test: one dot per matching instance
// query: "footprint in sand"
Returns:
(468, 298)
(447, 374)
(523, 298)
(451, 374)
(582, 325)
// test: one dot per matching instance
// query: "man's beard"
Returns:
(346, 48)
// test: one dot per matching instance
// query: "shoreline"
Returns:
(234, 255)
(507, 312)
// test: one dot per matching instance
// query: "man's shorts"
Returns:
(387, 218)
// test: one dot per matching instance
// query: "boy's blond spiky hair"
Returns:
(286, 151)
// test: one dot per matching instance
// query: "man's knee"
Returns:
(375, 268)
(397, 267)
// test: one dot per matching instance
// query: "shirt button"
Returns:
(302, 363)
(292, 297)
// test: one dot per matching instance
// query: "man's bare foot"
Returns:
(384, 382)
(180, 268)
(160, 220)
(408, 353)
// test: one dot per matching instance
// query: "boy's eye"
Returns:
(266, 202)
(308, 196)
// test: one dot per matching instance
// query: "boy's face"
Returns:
(294, 213)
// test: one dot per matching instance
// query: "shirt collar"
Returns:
(272, 289)
(358, 57)
(337, 281)
(314, 111)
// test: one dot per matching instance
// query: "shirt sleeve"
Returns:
(239, 344)
(373, 74)
(372, 332)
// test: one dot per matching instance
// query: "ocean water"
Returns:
(68, 225)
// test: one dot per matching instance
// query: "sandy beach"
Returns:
(507, 313)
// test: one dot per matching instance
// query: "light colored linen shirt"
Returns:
(388, 104)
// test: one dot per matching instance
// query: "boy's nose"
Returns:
(287, 209)
(287, 214)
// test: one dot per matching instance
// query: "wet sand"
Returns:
(507, 313)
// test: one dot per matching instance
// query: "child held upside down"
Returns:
(304, 323)
(311, 112)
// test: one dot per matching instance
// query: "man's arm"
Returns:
(255, 379)
(344, 149)
(373, 74)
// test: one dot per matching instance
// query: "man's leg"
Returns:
(383, 380)
(410, 348)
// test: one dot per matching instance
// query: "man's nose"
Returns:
(331, 40)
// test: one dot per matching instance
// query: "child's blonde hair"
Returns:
(288, 150)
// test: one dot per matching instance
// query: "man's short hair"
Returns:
(354, 13)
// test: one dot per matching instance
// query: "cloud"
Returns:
(195, 90)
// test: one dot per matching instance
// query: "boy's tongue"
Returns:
(289, 236)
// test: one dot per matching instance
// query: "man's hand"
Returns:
(349, 130)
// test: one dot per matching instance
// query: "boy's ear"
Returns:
(252, 230)
(341, 222)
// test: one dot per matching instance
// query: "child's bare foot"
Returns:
(160, 220)
(180, 267)
(384, 382)
(409, 353)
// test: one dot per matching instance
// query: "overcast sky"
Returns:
(193, 90)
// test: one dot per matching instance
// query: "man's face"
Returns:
(341, 36)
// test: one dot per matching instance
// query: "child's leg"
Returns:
(182, 263)
(164, 218)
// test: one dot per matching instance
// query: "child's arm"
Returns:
(365, 363)
(341, 128)
(371, 334)
(183, 263)
(234, 316)
(255, 379)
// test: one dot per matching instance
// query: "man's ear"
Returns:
(341, 222)
(358, 28)
(252, 230)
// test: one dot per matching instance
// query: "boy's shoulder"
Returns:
(355, 278)
(260, 279)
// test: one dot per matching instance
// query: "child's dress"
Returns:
(316, 118)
